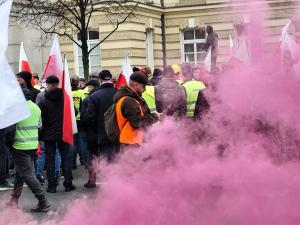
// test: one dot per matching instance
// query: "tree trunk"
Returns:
(85, 59)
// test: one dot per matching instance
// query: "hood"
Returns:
(167, 83)
(54, 95)
(125, 91)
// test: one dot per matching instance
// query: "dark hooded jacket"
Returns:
(52, 115)
(33, 92)
(98, 103)
(131, 110)
(90, 129)
(170, 97)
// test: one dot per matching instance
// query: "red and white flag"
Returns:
(290, 50)
(207, 61)
(13, 105)
(55, 63)
(240, 54)
(69, 124)
(57, 67)
(24, 63)
(125, 74)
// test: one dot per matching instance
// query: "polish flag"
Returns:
(24, 63)
(207, 61)
(124, 76)
(13, 105)
(290, 50)
(240, 55)
(69, 125)
(57, 67)
(55, 63)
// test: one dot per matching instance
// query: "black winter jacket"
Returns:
(98, 103)
(131, 110)
(52, 115)
(90, 129)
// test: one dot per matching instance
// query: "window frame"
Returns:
(76, 51)
(192, 41)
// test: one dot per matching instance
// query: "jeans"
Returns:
(41, 159)
(66, 160)
(25, 173)
(3, 158)
(80, 147)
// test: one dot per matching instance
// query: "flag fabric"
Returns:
(69, 119)
(290, 50)
(13, 105)
(240, 55)
(55, 63)
(124, 76)
(207, 61)
(24, 63)
(231, 45)
(57, 67)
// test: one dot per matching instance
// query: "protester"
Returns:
(23, 151)
(196, 101)
(24, 78)
(176, 68)
(147, 71)
(170, 95)
(212, 41)
(4, 185)
(90, 130)
(157, 73)
(79, 138)
(132, 112)
(98, 103)
(52, 119)
(81, 83)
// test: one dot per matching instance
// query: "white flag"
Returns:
(231, 45)
(207, 61)
(13, 106)
(241, 52)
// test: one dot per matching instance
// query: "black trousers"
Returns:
(25, 173)
(3, 158)
(66, 162)
(96, 150)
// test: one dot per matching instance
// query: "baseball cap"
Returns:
(140, 78)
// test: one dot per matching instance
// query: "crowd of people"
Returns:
(109, 121)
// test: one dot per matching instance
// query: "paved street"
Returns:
(27, 200)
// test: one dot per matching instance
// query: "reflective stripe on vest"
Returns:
(26, 137)
(128, 135)
(149, 96)
(192, 89)
(78, 97)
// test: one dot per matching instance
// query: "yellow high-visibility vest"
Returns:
(149, 96)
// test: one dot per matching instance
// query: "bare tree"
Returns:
(68, 17)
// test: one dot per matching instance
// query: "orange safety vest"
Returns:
(128, 135)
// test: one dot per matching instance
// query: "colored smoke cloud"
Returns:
(238, 166)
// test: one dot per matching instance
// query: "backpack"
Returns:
(111, 124)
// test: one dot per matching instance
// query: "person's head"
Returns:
(147, 71)
(26, 93)
(74, 81)
(92, 84)
(24, 77)
(176, 68)
(52, 82)
(169, 72)
(187, 71)
(136, 69)
(81, 82)
(138, 82)
(36, 78)
(105, 76)
(157, 72)
(209, 29)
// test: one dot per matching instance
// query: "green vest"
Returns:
(26, 137)
(192, 89)
(78, 97)
(149, 96)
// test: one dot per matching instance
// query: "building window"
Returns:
(193, 45)
(94, 57)
(149, 48)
